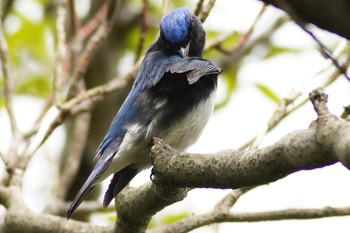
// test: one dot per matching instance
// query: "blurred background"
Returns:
(276, 59)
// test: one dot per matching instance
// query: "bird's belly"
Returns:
(185, 132)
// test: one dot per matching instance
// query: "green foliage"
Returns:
(230, 79)
(159, 221)
(267, 92)
(274, 51)
(132, 38)
(30, 56)
(179, 3)
(231, 41)
(29, 38)
(167, 219)
(38, 86)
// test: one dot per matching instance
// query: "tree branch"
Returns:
(7, 75)
(281, 111)
(60, 75)
(135, 207)
(20, 219)
(325, 143)
(144, 29)
(204, 13)
(79, 138)
(92, 45)
(335, 20)
(196, 221)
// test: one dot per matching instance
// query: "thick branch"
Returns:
(23, 220)
(135, 207)
(325, 143)
(313, 11)
(20, 219)
(234, 169)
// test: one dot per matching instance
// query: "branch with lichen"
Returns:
(232, 169)
(326, 141)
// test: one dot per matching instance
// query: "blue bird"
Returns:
(172, 98)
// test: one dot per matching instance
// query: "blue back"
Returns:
(151, 71)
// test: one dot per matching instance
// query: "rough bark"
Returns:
(330, 15)
(326, 141)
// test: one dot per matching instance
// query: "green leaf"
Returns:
(230, 79)
(274, 51)
(39, 86)
(168, 219)
(30, 38)
(267, 92)
(229, 43)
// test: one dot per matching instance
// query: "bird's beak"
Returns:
(184, 51)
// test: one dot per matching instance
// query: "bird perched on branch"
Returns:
(172, 98)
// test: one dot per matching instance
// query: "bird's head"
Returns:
(183, 32)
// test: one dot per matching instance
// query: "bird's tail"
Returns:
(84, 191)
(119, 181)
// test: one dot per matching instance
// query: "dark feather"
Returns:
(78, 199)
(119, 181)
(106, 157)
(195, 68)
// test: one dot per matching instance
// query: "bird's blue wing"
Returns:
(117, 130)
(195, 68)
(152, 69)
(108, 148)
(99, 168)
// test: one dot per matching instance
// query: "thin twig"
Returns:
(281, 111)
(74, 18)
(334, 76)
(199, 7)
(276, 117)
(2, 157)
(326, 53)
(93, 23)
(72, 163)
(203, 15)
(218, 40)
(144, 29)
(34, 129)
(242, 40)
(7, 76)
(302, 23)
(61, 54)
(82, 102)
(230, 199)
(91, 47)
(99, 91)
(196, 221)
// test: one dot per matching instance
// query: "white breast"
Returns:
(135, 148)
(186, 132)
